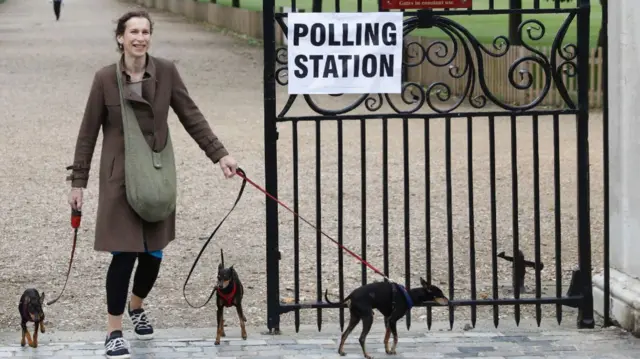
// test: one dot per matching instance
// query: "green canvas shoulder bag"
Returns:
(150, 177)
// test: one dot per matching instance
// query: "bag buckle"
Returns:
(156, 160)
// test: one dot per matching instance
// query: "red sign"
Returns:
(426, 4)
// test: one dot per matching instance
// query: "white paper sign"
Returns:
(356, 53)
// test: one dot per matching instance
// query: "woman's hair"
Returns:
(122, 21)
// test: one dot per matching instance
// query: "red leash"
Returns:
(242, 175)
(76, 216)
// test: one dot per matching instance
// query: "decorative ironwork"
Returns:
(441, 54)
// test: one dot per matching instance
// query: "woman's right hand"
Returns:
(75, 198)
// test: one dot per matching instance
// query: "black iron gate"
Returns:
(439, 113)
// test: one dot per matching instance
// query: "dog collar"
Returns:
(406, 296)
(227, 298)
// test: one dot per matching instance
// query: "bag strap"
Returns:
(126, 111)
(129, 120)
(119, 77)
(123, 102)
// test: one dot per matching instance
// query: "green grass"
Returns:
(484, 27)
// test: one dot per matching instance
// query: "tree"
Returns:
(601, 33)
(514, 21)
(316, 6)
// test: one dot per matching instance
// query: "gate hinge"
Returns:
(426, 18)
(575, 287)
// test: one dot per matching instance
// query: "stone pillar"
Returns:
(624, 170)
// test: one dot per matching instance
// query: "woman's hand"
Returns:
(75, 198)
(228, 165)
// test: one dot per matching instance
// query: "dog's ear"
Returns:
(428, 287)
(424, 284)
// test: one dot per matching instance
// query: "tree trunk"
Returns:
(235, 3)
(316, 6)
(601, 34)
(514, 21)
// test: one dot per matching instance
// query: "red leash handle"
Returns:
(242, 175)
(76, 216)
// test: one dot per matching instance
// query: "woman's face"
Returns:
(137, 37)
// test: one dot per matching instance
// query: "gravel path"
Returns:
(52, 63)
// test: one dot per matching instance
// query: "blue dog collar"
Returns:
(406, 295)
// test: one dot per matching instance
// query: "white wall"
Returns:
(624, 135)
(624, 168)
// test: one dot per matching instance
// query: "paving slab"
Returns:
(526, 341)
(77, 45)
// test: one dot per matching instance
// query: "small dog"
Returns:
(390, 299)
(229, 292)
(30, 308)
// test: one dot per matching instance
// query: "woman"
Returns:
(56, 8)
(152, 86)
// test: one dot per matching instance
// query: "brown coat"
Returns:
(118, 227)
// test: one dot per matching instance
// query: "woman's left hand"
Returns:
(228, 165)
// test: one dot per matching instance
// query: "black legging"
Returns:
(119, 275)
(56, 8)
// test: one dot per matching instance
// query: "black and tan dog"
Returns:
(229, 292)
(30, 308)
(390, 299)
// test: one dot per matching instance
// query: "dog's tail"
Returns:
(222, 257)
(348, 298)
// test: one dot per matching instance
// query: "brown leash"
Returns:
(246, 180)
(76, 215)
(241, 173)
